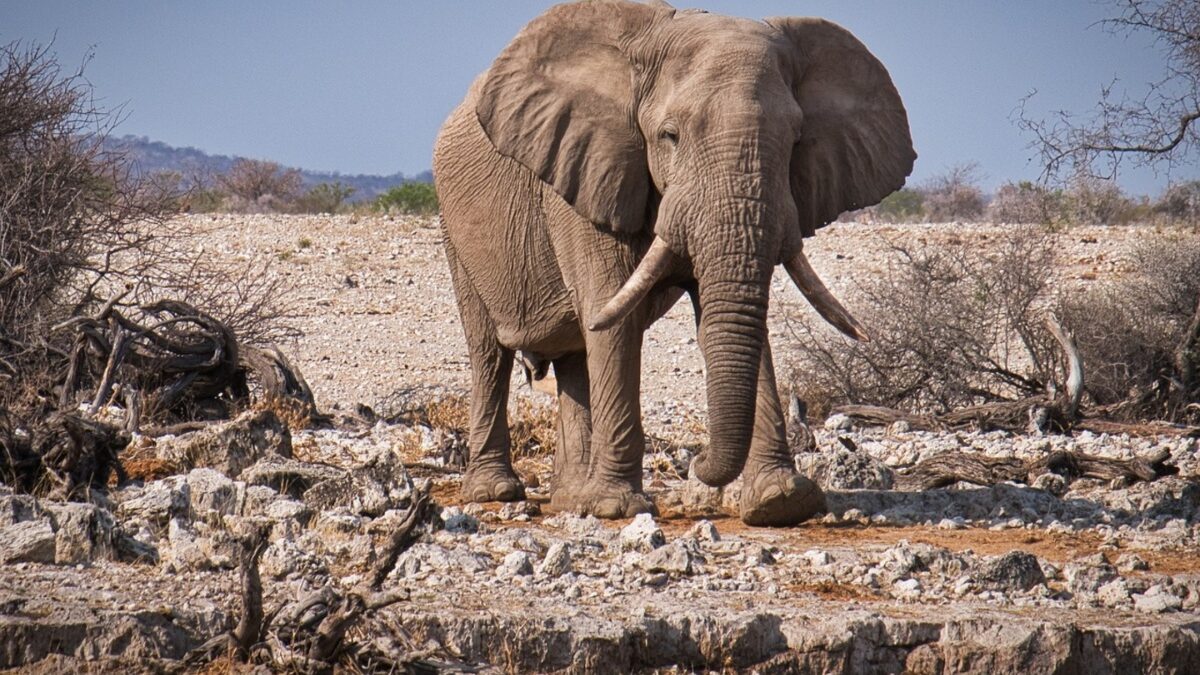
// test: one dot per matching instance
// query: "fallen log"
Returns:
(952, 467)
(310, 634)
(1140, 429)
(240, 642)
(1008, 416)
(877, 415)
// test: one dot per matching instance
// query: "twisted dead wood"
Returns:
(402, 537)
(949, 468)
(182, 365)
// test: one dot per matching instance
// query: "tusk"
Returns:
(653, 267)
(821, 299)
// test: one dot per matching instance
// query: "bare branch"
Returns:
(1157, 130)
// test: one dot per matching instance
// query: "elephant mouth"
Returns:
(660, 259)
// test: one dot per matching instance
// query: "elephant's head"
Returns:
(730, 139)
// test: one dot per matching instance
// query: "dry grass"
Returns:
(533, 425)
(451, 413)
(147, 469)
(142, 463)
(295, 414)
(534, 429)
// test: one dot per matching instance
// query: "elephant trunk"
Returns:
(732, 330)
(733, 284)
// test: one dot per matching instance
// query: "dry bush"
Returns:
(245, 295)
(534, 429)
(533, 425)
(953, 328)
(78, 226)
(294, 414)
(256, 186)
(452, 412)
(1180, 203)
(950, 327)
(432, 406)
(953, 196)
(1130, 332)
(66, 205)
(1100, 202)
(1027, 202)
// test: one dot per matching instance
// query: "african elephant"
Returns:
(616, 155)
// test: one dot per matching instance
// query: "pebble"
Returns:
(557, 561)
(643, 534)
(1156, 601)
(839, 422)
(515, 564)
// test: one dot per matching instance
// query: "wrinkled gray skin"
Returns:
(603, 128)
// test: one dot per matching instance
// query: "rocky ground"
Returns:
(1070, 576)
(374, 300)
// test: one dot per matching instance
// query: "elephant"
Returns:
(616, 156)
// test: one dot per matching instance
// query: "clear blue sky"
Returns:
(362, 87)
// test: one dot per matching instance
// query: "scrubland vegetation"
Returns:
(257, 186)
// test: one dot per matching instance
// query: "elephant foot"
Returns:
(492, 485)
(779, 497)
(603, 500)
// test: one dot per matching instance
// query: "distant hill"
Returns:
(151, 156)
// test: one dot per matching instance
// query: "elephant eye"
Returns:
(669, 134)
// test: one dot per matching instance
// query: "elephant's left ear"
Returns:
(854, 147)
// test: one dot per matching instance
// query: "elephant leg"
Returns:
(489, 475)
(574, 425)
(613, 488)
(773, 494)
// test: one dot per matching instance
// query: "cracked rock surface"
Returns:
(1099, 578)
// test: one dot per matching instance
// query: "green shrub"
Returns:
(902, 206)
(324, 198)
(204, 200)
(411, 198)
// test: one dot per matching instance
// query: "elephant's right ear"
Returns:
(560, 100)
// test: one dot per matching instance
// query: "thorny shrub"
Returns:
(950, 328)
(257, 185)
(953, 195)
(1027, 202)
(1130, 331)
(1180, 202)
(1100, 202)
(953, 327)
